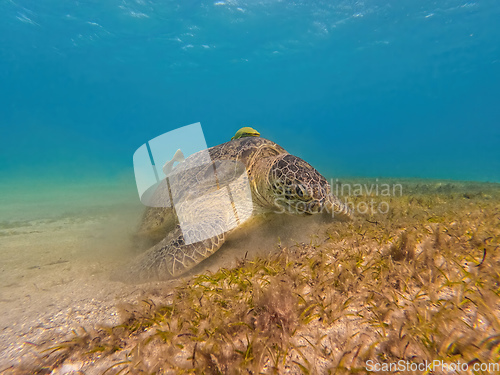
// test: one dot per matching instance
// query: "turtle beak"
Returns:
(314, 207)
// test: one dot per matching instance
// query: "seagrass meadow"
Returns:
(418, 283)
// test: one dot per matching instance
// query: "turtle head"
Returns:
(299, 188)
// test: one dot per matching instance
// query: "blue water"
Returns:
(357, 88)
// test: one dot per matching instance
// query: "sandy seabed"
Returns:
(58, 245)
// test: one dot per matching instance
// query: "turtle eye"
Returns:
(300, 191)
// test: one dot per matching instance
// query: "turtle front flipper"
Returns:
(172, 257)
(207, 210)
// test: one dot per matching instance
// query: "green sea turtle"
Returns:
(271, 178)
(246, 132)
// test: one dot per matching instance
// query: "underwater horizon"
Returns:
(356, 88)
